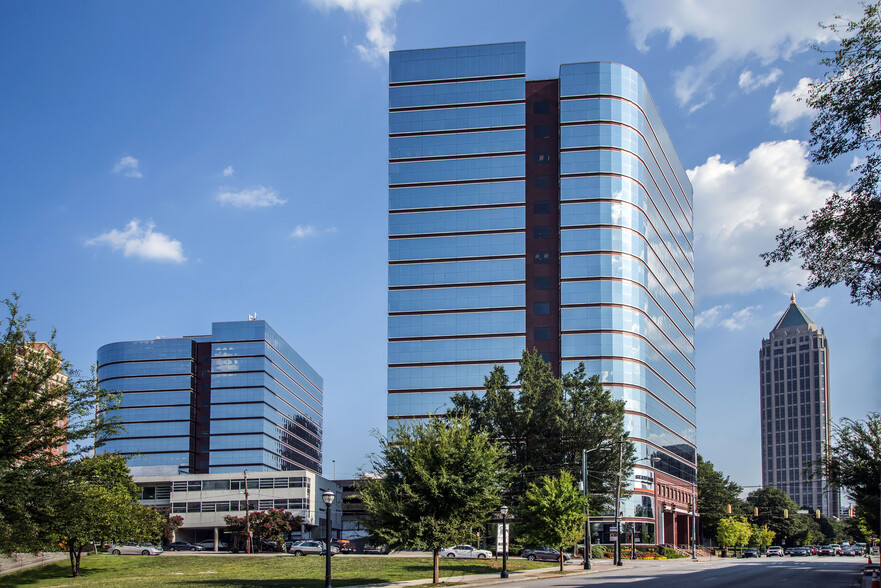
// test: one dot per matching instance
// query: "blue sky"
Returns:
(168, 164)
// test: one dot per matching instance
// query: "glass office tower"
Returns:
(238, 398)
(548, 214)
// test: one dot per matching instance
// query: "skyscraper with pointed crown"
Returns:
(795, 409)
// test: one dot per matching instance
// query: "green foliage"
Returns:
(598, 551)
(854, 463)
(552, 512)
(265, 525)
(761, 537)
(715, 492)
(841, 241)
(771, 503)
(733, 531)
(544, 428)
(432, 484)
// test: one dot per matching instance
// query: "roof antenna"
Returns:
(252, 317)
(792, 299)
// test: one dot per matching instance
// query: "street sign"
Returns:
(802, 511)
(501, 546)
(613, 536)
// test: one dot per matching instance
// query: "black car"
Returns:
(800, 552)
(544, 554)
(184, 546)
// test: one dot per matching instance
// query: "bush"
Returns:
(672, 553)
(598, 551)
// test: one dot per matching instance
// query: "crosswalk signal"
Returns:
(785, 513)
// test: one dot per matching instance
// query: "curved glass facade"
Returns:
(241, 393)
(552, 214)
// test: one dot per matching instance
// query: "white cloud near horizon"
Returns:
(129, 167)
(228, 171)
(251, 198)
(740, 207)
(735, 31)
(140, 241)
(309, 231)
(749, 81)
(789, 105)
(378, 16)
(722, 316)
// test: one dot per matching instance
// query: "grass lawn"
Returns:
(241, 570)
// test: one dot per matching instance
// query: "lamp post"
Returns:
(327, 497)
(504, 510)
(618, 506)
(693, 524)
(585, 493)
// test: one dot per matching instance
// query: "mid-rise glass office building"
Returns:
(240, 398)
(545, 214)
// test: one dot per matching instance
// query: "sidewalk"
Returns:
(572, 568)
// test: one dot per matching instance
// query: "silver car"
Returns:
(465, 551)
(309, 547)
(134, 549)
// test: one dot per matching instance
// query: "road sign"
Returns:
(802, 511)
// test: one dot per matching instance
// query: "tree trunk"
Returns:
(74, 553)
(436, 575)
(561, 558)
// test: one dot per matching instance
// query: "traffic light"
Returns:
(818, 514)
(850, 512)
(756, 511)
(729, 509)
(785, 513)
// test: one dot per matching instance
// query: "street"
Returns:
(754, 573)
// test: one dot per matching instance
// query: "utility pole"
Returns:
(586, 509)
(618, 506)
(247, 515)
(693, 523)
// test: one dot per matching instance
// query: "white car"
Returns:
(465, 551)
(134, 549)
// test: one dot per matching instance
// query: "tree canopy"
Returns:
(841, 241)
(715, 492)
(552, 513)
(544, 425)
(854, 463)
(433, 483)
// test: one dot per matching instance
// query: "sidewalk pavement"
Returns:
(573, 567)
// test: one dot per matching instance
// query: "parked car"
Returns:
(209, 545)
(306, 547)
(837, 548)
(544, 554)
(344, 545)
(134, 549)
(465, 551)
(380, 549)
(184, 546)
(774, 550)
(751, 553)
(827, 550)
(800, 552)
(851, 550)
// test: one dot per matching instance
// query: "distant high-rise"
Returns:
(240, 398)
(795, 409)
(548, 214)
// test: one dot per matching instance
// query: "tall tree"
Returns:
(854, 463)
(772, 504)
(432, 484)
(47, 419)
(733, 531)
(552, 513)
(841, 241)
(544, 426)
(715, 492)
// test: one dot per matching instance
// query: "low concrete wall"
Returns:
(23, 561)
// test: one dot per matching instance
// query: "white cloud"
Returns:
(739, 208)
(142, 241)
(378, 16)
(228, 171)
(709, 318)
(738, 320)
(735, 31)
(749, 81)
(819, 303)
(257, 197)
(128, 166)
(309, 231)
(789, 105)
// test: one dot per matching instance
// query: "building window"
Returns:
(541, 283)
(542, 232)
(542, 257)
(541, 182)
(541, 206)
(542, 157)
(542, 333)
(546, 357)
(541, 107)
(542, 308)
(541, 132)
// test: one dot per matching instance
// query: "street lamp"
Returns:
(504, 510)
(585, 493)
(327, 497)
